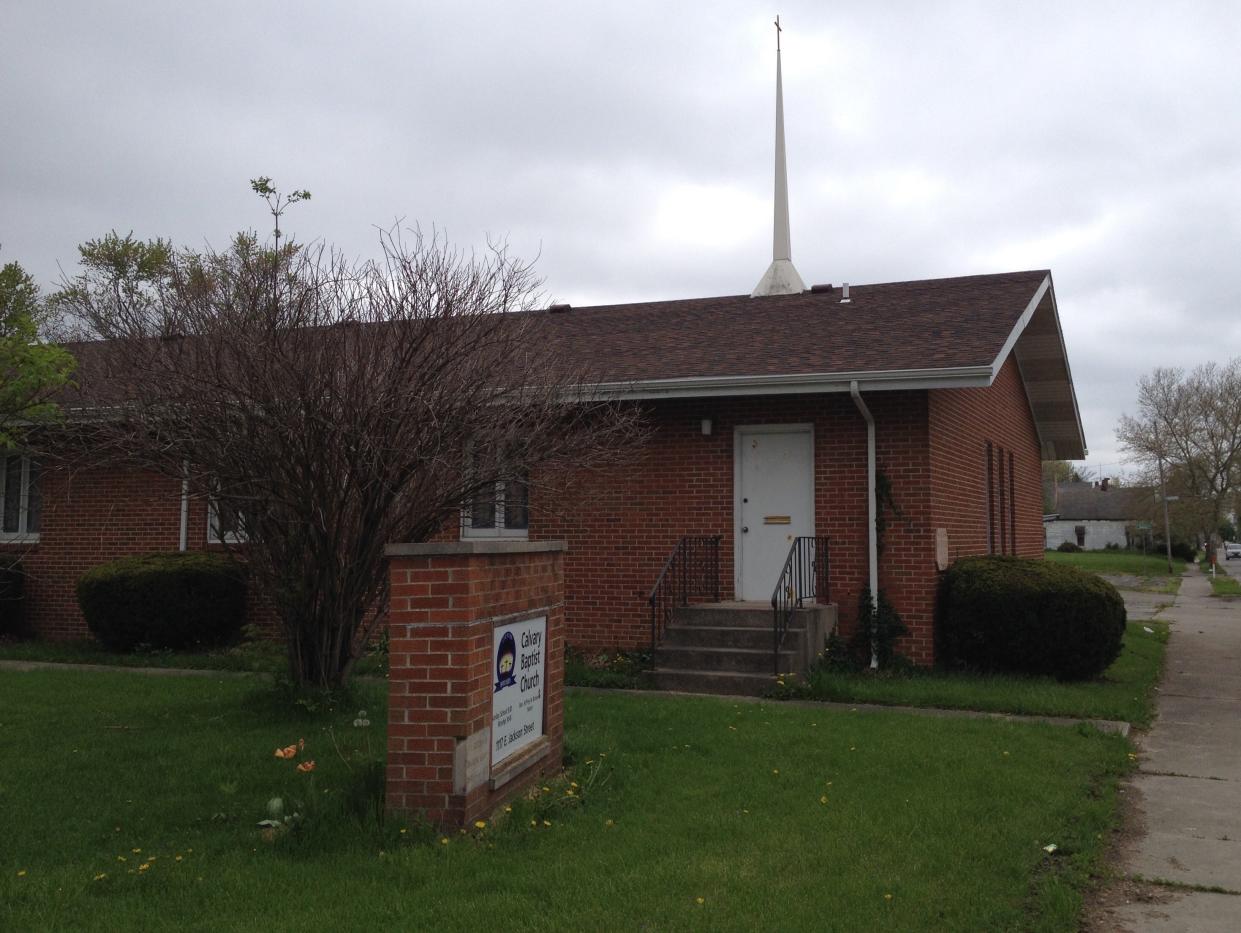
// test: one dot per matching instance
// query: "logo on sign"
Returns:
(506, 661)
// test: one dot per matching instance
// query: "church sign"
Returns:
(520, 653)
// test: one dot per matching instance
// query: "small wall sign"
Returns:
(520, 653)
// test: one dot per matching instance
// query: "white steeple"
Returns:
(781, 278)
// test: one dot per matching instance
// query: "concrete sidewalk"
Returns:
(1186, 795)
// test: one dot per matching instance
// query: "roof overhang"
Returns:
(1036, 341)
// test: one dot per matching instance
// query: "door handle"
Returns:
(745, 528)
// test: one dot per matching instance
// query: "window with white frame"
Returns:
(225, 522)
(500, 511)
(21, 498)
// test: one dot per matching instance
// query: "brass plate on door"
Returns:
(777, 520)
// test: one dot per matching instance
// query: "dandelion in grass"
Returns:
(178, 858)
(404, 830)
(506, 810)
(480, 824)
(135, 851)
(609, 823)
(823, 799)
(887, 897)
(700, 901)
(443, 840)
(534, 823)
(547, 822)
(775, 770)
(101, 876)
(21, 873)
(121, 858)
(144, 866)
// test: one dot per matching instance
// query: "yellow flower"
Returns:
(547, 822)
(21, 873)
(506, 810)
(121, 858)
(775, 770)
(887, 897)
(480, 824)
(135, 851)
(700, 901)
(101, 876)
(306, 766)
(404, 830)
(534, 823)
(610, 823)
(144, 866)
(443, 840)
(178, 858)
(823, 799)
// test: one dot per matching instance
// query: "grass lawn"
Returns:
(1125, 691)
(259, 656)
(776, 817)
(1149, 570)
(1224, 585)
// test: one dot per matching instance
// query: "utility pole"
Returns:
(1167, 533)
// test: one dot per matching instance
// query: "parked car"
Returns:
(1231, 550)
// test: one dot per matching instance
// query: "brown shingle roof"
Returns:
(930, 324)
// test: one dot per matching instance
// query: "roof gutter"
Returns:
(872, 510)
(960, 377)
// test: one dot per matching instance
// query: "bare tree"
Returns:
(334, 407)
(1192, 423)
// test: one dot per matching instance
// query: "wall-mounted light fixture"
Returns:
(707, 426)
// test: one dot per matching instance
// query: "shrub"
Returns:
(11, 584)
(1029, 616)
(1068, 547)
(177, 600)
(1181, 550)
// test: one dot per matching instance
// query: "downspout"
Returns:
(872, 511)
(185, 507)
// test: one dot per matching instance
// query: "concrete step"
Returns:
(717, 615)
(725, 683)
(723, 636)
(746, 660)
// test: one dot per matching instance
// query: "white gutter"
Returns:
(185, 507)
(872, 511)
(959, 377)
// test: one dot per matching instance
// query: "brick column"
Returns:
(447, 601)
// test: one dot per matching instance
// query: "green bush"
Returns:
(12, 580)
(177, 600)
(1068, 547)
(1182, 550)
(1028, 616)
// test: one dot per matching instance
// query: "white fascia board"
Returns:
(796, 383)
(1020, 326)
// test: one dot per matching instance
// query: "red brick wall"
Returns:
(962, 421)
(443, 612)
(623, 523)
(90, 516)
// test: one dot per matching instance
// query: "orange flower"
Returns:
(306, 766)
(289, 751)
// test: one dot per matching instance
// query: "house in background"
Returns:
(787, 416)
(1095, 516)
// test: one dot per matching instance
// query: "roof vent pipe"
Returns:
(844, 294)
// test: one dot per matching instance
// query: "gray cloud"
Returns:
(629, 146)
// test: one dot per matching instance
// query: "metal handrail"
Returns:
(692, 571)
(804, 577)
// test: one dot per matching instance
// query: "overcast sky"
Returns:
(629, 146)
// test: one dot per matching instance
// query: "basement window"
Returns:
(500, 511)
(22, 499)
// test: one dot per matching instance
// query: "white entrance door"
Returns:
(775, 502)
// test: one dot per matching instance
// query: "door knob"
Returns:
(745, 528)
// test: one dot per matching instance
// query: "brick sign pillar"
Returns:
(476, 674)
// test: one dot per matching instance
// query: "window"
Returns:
(225, 522)
(990, 500)
(502, 511)
(1001, 501)
(22, 499)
